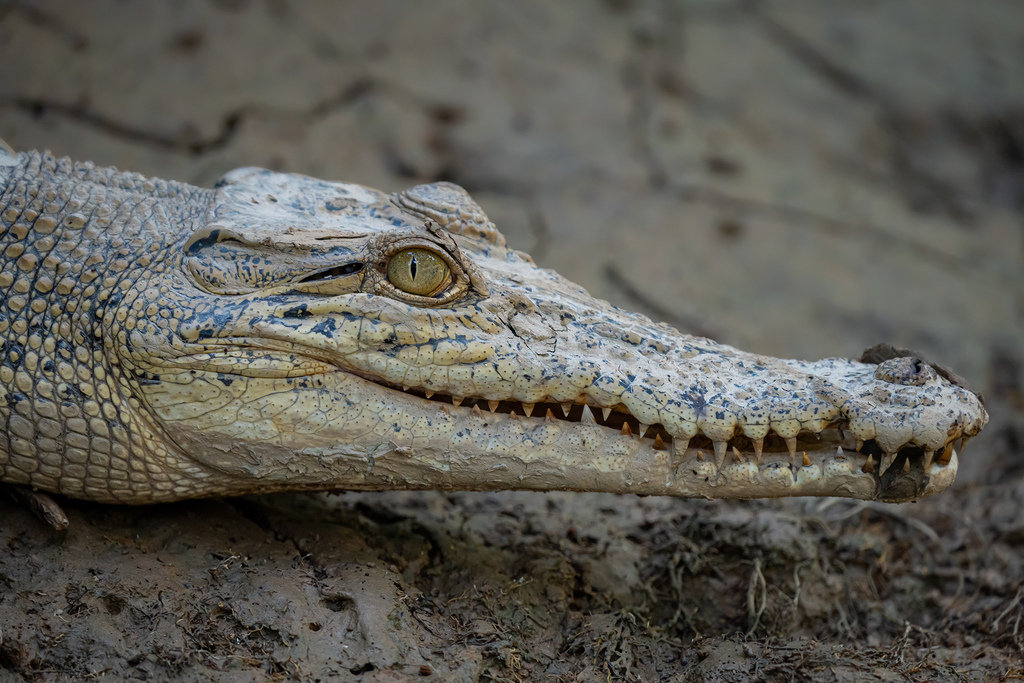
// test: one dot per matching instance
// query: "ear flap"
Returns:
(452, 208)
(222, 262)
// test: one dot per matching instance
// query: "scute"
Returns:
(452, 208)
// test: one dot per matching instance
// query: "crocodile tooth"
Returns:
(791, 445)
(659, 445)
(758, 449)
(550, 416)
(719, 453)
(642, 429)
(457, 400)
(947, 454)
(807, 461)
(428, 393)
(528, 409)
(869, 465)
(493, 405)
(606, 412)
(477, 411)
(736, 453)
(679, 446)
(514, 416)
(840, 455)
(566, 407)
(406, 387)
(626, 431)
(906, 466)
(700, 456)
(963, 443)
(859, 444)
(885, 462)
(928, 457)
(588, 415)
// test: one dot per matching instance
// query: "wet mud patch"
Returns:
(518, 587)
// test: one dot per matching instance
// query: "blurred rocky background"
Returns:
(802, 178)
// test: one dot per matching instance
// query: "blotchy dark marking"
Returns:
(339, 204)
(325, 327)
(14, 349)
(71, 394)
(221, 319)
(204, 242)
(299, 311)
(697, 402)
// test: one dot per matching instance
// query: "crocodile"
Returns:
(162, 341)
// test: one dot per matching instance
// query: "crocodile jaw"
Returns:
(362, 391)
(548, 398)
(346, 432)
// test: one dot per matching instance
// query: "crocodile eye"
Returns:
(419, 271)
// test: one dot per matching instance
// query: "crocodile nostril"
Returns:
(906, 370)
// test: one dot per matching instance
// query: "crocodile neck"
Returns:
(75, 238)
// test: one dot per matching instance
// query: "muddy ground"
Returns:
(796, 177)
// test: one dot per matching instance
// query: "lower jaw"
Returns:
(573, 447)
(647, 471)
(829, 472)
(411, 442)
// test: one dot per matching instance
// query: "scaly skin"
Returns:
(162, 341)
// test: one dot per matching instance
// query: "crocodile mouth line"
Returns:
(833, 442)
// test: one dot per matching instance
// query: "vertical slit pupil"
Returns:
(412, 267)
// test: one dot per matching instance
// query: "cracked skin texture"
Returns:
(279, 332)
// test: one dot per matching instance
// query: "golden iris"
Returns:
(419, 271)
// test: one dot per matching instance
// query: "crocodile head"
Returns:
(314, 335)
(162, 341)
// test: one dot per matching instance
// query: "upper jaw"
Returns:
(698, 417)
(759, 427)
